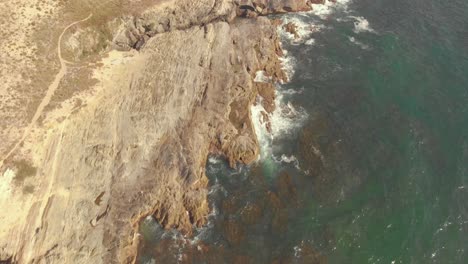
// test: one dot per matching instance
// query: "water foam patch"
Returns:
(260, 77)
(299, 28)
(286, 116)
(263, 136)
(288, 64)
(292, 91)
(329, 7)
(361, 25)
(310, 42)
(302, 29)
(282, 122)
(358, 43)
(291, 159)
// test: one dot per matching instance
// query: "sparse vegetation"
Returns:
(28, 189)
(24, 170)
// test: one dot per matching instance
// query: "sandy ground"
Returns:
(32, 68)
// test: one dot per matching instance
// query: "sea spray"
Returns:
(361, 25)
(283, 121)
(329, 7)
(286, 117)
(288, 64)
(303, 29)
(358, 43)
(291, 159)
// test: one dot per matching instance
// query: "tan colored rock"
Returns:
(292, 29)
(268, 92)
(110, 137)
(266, 7)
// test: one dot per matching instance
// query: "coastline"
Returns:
(138, 124)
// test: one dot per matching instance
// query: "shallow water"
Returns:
(377, 172)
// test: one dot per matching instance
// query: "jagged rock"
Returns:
(268, 92)
(138, 140)
(266, 7)
(292, 29)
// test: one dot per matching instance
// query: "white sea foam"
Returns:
(283, 121)
(151, 261)
(286, 116)
(292, 91)
(204, 230)
(304, 29)
(288, 64)
(259, 123)
(261, 77)
(202, 233)
(310, 42)
(325, 10)
(289, 160)
(214, 160)
(357, 42)
(297, 251)
(361, 25)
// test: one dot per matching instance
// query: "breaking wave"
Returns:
(303, 29)
(288, 160)
(357, 42)
(361, 25)
(329, 7)
(282, 121)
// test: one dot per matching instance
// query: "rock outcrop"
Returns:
(124, 135)
(292, 29)
(251, 8)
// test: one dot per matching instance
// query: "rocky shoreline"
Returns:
(181, 88)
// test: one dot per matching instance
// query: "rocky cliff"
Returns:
(117, 115)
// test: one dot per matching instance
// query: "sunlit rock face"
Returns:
(114, 116)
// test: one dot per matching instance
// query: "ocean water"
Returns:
(368, 161)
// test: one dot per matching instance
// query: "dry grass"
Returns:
(24, 171)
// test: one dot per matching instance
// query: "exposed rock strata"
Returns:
(137, 145)
(264, 7)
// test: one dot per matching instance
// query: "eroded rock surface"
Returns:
(124, 134)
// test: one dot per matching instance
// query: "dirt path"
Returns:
(50, 91)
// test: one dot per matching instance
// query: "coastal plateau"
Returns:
(109, 110)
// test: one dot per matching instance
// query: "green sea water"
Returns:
(387, 126)
(400, 105)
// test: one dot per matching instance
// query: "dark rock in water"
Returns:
(242, 260)
(279, 218)
(251, 214)
(310, 149)
(314, 150)
(279, 221)
(286, 189)
(321, 148)
(234, 232)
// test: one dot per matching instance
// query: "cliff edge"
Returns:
(109, 115)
